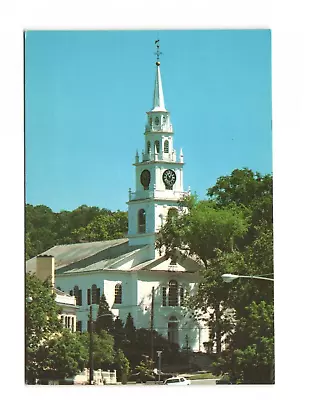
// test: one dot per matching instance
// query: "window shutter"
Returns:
(98, 296)
(79, 326)
(88, 296)
(80, 297)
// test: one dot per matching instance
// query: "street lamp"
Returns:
(230, 277)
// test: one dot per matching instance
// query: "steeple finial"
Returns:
(158, 100)
(158, 52)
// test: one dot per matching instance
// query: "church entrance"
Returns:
(173, 330)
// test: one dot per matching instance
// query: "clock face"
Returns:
(169, 178)
(145, 179)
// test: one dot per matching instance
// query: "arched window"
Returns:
(173, 293)
(157, 146)
(142, 221)
(148, 147)
(118, 293)
(95, 294)
(173, 328)
(166, 146)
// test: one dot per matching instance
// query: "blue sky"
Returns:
(86, 97)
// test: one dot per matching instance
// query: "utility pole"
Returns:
(91, 361)
(151, 321)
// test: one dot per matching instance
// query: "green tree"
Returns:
(105, 318)
(41, 322)
(119, 333)
(230, 233)
(104, 227)
(45, 229)
(130, 330)
(145, 368)
(103, 349)
(122, 366)
(62, 356)
(249, 190)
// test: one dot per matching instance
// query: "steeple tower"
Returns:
(159, 175)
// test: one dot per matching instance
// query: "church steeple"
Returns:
(159, 174)
(158, 99)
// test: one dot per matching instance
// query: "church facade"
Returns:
(130, 272)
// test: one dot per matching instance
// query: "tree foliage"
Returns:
(51, 351)
(103, 349)
(62, 356)
(45, 228)
(105, 318)
(232, 232)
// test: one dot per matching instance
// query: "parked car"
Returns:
(177, 380)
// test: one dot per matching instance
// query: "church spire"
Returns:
(158, 100)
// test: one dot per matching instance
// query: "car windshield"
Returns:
(172, 380)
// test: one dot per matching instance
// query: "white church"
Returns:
(131, 273)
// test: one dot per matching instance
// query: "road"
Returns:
(203, 382)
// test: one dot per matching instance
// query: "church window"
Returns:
(164, 296)
(173, 293)
(142, 221)
(95, 294)
(79, 326)
(157, 146)
(173, 330)
(181, 296)
(78, 295)
(118, 294)
(148, 147)
(166, 146)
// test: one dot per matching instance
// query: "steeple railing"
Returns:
(157, 194)
(170, 157)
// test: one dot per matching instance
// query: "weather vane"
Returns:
(158, 52)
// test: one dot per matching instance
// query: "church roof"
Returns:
(86, 253)
(105, 264)
(158, 99)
